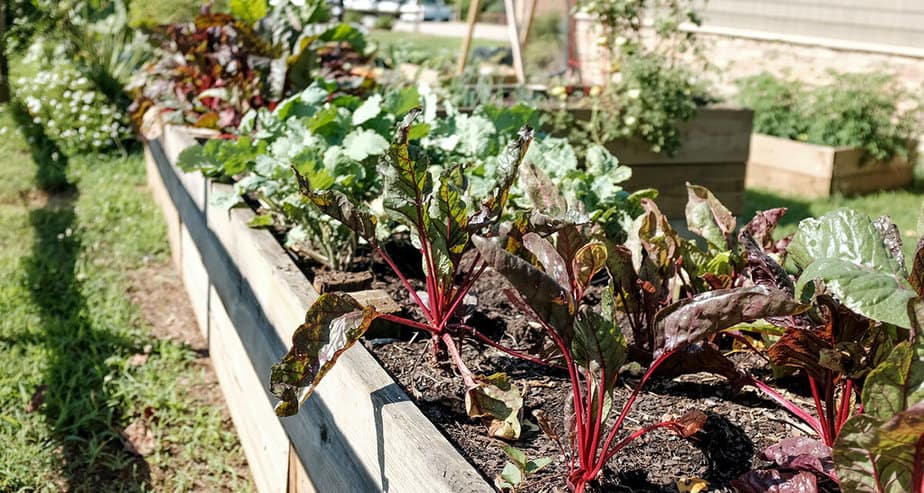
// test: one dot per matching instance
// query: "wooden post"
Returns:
(473, 7)
(528, 13)
(515, 41)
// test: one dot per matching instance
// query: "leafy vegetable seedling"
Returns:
(441, 227)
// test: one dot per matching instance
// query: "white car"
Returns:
(360, 5)
(425, 10)
(390, 7)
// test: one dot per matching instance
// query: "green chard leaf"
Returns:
(508, 164)
(859, 261)
(708, 217)
(332, 325)
(338, 206)
(406, 175)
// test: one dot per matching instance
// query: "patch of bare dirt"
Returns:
(158, 291)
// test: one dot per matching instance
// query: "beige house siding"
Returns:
(888, 22)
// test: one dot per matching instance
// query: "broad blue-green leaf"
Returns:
(399, 103)
(362, 143)
(332, 325)
(475, 133)
(225, 201)
(873, 293)
(605, 173)
(370, 108)
(842, 234)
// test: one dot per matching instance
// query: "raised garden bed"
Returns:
(817, 171)
(360, 432)
(714, 154)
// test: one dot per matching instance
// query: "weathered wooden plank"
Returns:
(360, 432)
(195, 279)
(264, 440)
(815, 171)
(790, 183)
(159, 193)
(792, 155)
(714, 135)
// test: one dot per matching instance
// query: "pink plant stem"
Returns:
(405, 321)
(460, 296)
(598, 423)
(917, 473)
(625, 409)
(406, 283)
(844, 411)
(790, 406)
(826, 435)
(467, 376)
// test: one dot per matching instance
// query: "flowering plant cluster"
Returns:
(74, 114)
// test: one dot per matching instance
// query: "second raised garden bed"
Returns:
(817, 171)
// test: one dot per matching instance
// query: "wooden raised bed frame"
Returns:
(816, 171)
(713, 153)
(359, 431)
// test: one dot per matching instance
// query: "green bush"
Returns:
(384, 22)
(158, 12)
(74, 114)
(856, 110)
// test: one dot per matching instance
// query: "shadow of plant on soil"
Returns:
(78, 405)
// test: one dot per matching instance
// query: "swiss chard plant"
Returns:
(432, 206)
(864, 303)
(552, 291)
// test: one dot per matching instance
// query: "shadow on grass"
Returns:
(79, 407)
(51, 174)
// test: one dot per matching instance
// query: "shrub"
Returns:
(385, 22)
(857, 110)
(75, 115)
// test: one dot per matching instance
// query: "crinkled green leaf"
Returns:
(249, 11)
(867, 290)
(402, 102)
(332, 325)
(691, 320)
(841, 234)
(508, 164)
(448, 229)
(708, 217)
(406, 175)
(225, 201)
(598, 346)
(362, 143)
(499, 402)
(338, 206)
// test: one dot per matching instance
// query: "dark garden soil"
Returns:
(740, 424)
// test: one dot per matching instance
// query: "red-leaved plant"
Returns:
(592, 345)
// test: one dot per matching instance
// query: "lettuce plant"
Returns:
(436, 214)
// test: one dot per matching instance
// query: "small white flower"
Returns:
(620, 40)
(634, 93)
(629, 120)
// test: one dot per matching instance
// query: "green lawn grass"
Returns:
(71, 235)
(435, 51)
